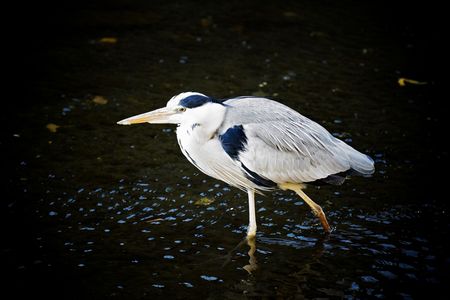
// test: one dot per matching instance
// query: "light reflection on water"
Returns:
(162, 232)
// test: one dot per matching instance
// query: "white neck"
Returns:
(204, 121)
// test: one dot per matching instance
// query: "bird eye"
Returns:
(181, 109)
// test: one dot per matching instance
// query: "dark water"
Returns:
(96, 210)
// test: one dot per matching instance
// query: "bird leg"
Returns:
(251, 231)
(317, 210)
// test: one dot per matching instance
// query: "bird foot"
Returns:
(323, 220)
(251, 233)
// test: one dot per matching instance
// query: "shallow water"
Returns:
(96, 210)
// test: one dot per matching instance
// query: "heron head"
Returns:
(189, 106)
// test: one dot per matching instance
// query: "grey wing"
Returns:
(284, 146)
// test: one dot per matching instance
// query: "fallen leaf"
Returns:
(290, 14)
(318, 34)
(206, 22)
(403, 81)
(154, 220)
(108, 40)
(237, 28)
(100, 100)
(52, 127)
(204, 201)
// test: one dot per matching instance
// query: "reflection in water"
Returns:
(228, 257)
(252, 266)
(251, 242)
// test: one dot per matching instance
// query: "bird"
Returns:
(258, 145)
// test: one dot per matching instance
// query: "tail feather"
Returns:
(361, 163)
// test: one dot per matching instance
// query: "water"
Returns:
(96, 210)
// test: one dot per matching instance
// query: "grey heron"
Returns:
(257, 144)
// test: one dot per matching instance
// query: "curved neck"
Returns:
(203, 121)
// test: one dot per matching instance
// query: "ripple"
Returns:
(209, 278)
(388, 274)
(187, 284)
(87, 228)
(369, 279)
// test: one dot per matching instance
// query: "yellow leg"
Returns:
(317, 210)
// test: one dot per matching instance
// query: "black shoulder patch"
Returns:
(233, 141)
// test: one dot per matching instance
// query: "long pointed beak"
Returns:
(158, 116)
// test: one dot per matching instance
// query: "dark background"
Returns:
(340, 58)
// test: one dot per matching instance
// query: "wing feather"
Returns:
(285, 146)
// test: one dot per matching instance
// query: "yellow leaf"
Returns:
(403, 81)
(100, 100)
(52, 127)
(108, 40)
(204, 201)
(154, 220)
(206, 22)
(290, 14)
